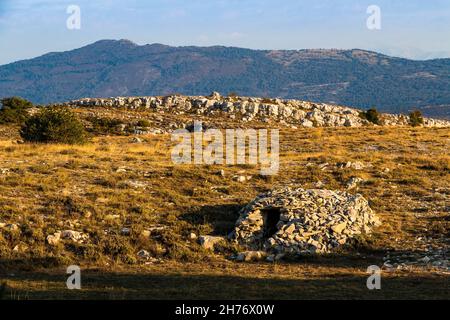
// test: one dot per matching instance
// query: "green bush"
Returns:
(105, 125)
(54, 125)
(416, 118)
(144, 123)
(371, 115)
(14, 110)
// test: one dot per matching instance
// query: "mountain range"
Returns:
(356, 78)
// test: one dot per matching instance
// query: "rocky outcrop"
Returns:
(298, 221)
(294, 113)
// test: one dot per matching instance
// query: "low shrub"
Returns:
(144, 123)
(105, 125)
(416, 118)
(14, 110)
(53, 125)
(371, 115)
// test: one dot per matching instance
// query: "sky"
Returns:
(415, 29)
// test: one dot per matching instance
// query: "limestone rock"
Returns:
(358, 165)
(12, 227)
(146, 233)
(338, 228)
(75, 236)
(208, 242)
(215, 96)
(136, 140)
(248, 256)
(192, 236)
(144, 254)
(125, 231)
(53, 239)
(353, 182)
(242, 178)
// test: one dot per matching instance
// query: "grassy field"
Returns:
(111, 183)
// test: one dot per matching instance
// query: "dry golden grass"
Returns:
(58, 187)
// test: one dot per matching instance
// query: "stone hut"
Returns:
(298, 221)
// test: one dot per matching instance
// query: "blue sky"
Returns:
(415, 29)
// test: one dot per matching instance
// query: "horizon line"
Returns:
(219, 46)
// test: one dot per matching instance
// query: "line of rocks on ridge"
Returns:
(294, 113)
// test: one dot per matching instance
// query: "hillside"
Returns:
(121, 68)
(140, 225)
(131, 218)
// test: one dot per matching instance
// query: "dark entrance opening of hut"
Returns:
(271, 217)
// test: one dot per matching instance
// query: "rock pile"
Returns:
(298, 221)
(291, 112)
(75, 236)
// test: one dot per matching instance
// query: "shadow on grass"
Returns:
(96, 285)
(222, 218)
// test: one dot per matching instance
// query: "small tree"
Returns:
(14, 110)
(371, 115)
(416, 118)
(54, 125)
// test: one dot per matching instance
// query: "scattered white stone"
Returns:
(192, 236)
(136, 184)
(54, 239)
(242, 178)
(136, 140)
(146, 233)
(338, 228)
(353, 182)
(358, 165)
(387, 266)
(125, 231)
(75, 236)
(11, 227)
(323, 166)
(248, 256)
(319, 184)
(208, 242)
(144, 254)
(87, 214)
